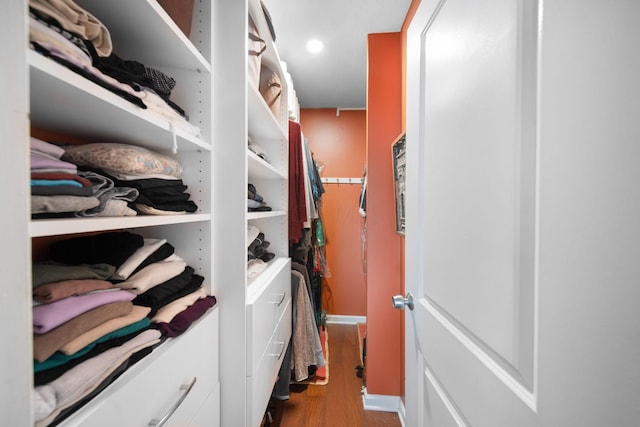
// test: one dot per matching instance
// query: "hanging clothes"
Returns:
(313, 185)
(297, 204)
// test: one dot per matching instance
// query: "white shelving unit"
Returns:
(250, 327)
(48, 96)
(256, 313)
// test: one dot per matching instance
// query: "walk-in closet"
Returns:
(165, 248)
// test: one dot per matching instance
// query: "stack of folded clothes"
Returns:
(58, 189)
(78, 40)
(258, 248)
(101, 303)
(255, 202)
(154, 177)
(104, 180)
(257, 253)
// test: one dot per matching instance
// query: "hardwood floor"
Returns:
(339, 403)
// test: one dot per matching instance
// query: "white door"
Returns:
(523, 214)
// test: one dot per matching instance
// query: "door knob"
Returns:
(400, 302)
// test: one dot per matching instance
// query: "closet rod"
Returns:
(336, 180)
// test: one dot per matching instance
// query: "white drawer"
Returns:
(154, 385)
(260, 385)
(209, 413)
(264, 314)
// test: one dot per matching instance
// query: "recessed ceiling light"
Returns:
(315, 46)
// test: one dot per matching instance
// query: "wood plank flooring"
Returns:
(339, 403)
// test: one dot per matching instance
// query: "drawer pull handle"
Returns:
(160, 422)
(282, 298)
(279, 355)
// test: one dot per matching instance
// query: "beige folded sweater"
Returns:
(76, 19)
(136, 314)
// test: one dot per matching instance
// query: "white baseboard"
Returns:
(380, 402)
(402, 414)
(346, 320)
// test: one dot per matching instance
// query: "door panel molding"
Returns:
(478, 135)
(480, 349)
(508, 347)
(454, 412)
(431, 315)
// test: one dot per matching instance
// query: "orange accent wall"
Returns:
(338, 143)
(384, 245)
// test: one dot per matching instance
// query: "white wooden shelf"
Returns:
(262, 123)
(65, 102)
(142, 31)
(54, 227)
(260, 169)
(268, 214)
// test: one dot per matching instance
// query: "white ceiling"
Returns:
(337, 76)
